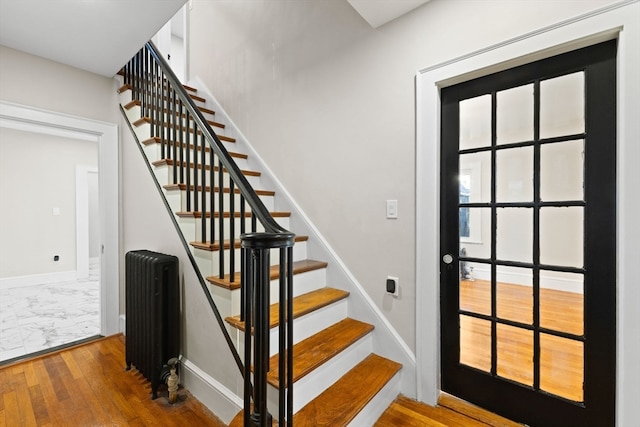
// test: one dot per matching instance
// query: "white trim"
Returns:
(37, 279)
(547, 281)
(33, 119)
(213, 394)
(388, 342)
(82, 219)
(619, 19)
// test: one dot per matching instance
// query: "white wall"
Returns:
(329, 103)
(38, 174)
(38, 82)
(146, 224)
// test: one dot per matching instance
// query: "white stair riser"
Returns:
(380, 402)
(310, 386)
(164, 174)
(302, 284)
(225, 301)
(312, 323)
(304, 326)
(125, 98)
(208, 261)
(178, 201)
(194, 233)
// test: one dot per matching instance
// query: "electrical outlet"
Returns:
(392, 286)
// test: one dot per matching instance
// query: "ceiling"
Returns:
(379, 12)
(94, 35)
(102, 35)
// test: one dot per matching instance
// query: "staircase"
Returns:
(337, 378)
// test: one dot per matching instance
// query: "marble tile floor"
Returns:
(40, 317)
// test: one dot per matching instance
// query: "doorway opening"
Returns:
(40, 228)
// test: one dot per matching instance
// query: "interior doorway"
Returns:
(528, 288)
(24, 121)
(171, 41)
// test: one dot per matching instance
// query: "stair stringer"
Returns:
(387, 342)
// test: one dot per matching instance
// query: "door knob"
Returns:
(447, 259)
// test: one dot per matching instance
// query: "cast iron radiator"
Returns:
(153, 310)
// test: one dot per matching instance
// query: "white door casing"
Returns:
(619, 20)
(31, 119)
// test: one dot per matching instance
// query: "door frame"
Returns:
(32, 119)
(614, 21)
(82, 219)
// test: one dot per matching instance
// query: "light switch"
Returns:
(392, 209)
(56, 211)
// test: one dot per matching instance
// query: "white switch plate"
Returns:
(392, 209)
(56, 211)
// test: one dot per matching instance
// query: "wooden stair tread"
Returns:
(169, 162)
(302, 305)
(183, 187)
(339, 404)
(191, 89)
(207, 246)
(274, 272)
(314, 351)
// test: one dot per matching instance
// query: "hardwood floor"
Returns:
(561, 360)
(88, 386)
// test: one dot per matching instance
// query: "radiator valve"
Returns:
(172, 380)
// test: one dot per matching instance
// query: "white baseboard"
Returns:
(546, 281)
(37, 279)
(123, 324)
(211, 393)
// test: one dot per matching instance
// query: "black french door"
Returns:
(528, 240)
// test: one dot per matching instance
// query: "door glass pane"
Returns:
(562, 171)
(515, 353)
(562, 366)
(514, 234)
(475, 296)
(475, 122)
(475, 343)
(514, 175)
(475, 177)
(514, 115)
(514, 294)
(561, 236)
(475, 235)
(562, 105)
(562, 301)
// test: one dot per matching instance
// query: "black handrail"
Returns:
(161, 95)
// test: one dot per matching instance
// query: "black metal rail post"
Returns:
(257, 248)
